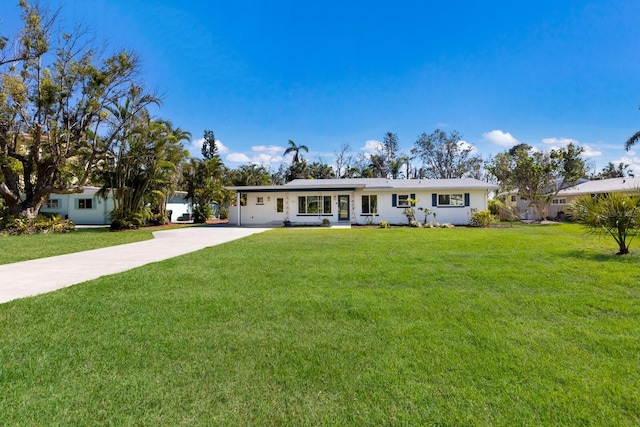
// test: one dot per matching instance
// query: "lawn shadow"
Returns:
(600, 256)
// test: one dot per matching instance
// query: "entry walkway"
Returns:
(28, 278)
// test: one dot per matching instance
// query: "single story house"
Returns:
(358, 201)
(592, 188)
(87, 208)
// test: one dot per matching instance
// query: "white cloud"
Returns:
(222, 149)
(271, 149)
(499, 137)
(372, 146)
(238, 158)
(559, 142)
(633, 162)
(196, 147)
(590, 151)
(464, 145)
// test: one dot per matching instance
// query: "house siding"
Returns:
(265, 214)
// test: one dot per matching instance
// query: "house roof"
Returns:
(602, 186)
(373, 184)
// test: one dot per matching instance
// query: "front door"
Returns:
(343, 208)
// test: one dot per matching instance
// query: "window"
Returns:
(52, 204)
(403, 200)
(260, 201)
(85, 203)
(370, 205)
(450, 200)
(314, 205)
(243, 199)
(513, 199)
(559, 202)
(279, 205)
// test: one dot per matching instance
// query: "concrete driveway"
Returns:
(28, 278)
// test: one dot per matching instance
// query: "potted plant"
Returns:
(287, 223)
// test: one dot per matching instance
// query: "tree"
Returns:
(344, 162)
(56, 117)
(318, 170)
(538, 176)
(616, 214)
(611, 171)
(209, 148)
(633, 140)
(203, 181)
(143, 173)
(247, 175)
(444, 156)
(390, 146)
(295, 149)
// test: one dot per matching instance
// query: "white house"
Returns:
(358, 201)
(81, 208)
(592, 188)
(86, 208)
(569, 193)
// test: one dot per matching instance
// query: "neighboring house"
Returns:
(526, 211)
(87, 208)
(592, 188)
(180, 208)
(358, 201)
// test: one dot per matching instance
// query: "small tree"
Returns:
(616, 214)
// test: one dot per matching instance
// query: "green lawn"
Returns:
(534, 325)
(32, 246)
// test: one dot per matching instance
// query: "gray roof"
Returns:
(374, 184)
(602, 186)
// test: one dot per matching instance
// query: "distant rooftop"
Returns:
(603, 186)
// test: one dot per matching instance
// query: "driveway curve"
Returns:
(29, 278)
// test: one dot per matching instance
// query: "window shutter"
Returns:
(394, 200)
(466, 199)
(434, 199)
(413, 197)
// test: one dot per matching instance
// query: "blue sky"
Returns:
(323, 74)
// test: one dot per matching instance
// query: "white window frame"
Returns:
(403, 200)
(322, 201)
(458, 199)
(559, 201)
(52, 204)
(82, 204)
(260, 200)
(368, 208)
(280, 204)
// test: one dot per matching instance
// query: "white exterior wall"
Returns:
(68, 208)
(261, 214)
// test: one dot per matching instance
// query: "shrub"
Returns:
(223, 213)
(202, 213)
(43, 223)
(494, 206)
(384, 224)
(481, 218)
(325, 222)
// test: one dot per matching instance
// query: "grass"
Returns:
(525, 326)
(27, 247)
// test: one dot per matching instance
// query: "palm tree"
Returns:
(616, 214)
(635, 138)
(295, 149)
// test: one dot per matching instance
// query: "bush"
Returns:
(128, 220)
(384, 224)
(43, 223)
(481, 218)
(494, 207)
(223, 213)
(202, 213)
